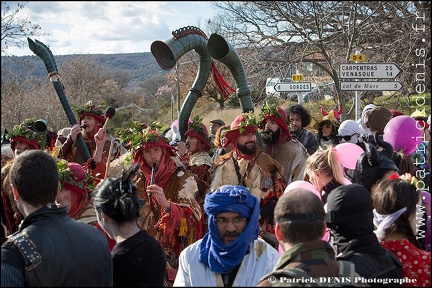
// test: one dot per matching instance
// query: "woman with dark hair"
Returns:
(398, 204)
(138, 257)
(327, 130)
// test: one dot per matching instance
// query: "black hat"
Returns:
(218, 121)
(349, 211)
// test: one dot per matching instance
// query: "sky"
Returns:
(98, 27)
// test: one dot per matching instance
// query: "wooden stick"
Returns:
(105, 124)
(109, 158)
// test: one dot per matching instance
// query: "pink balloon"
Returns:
(302, 184)
(326, 236)
(403, 134)
(348, 153)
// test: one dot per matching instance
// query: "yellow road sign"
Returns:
(297, 77)
(358, 57)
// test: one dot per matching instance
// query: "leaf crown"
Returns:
(269, 110)
(198, 127)
(135, 136)
(89, 107)
(25, 130)
(249, 119)
(67, 176)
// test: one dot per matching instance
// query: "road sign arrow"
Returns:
(368, 70)
(293, 87)
(370, 86)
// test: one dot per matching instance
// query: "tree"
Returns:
(280, 35)
(14, 30)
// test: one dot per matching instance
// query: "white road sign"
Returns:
(293, 87)
(370, 86)
(368, 71)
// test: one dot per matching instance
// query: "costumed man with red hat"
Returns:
(247, 165)
(22, 137)
(97, 140)
(194, 153)
(280, 145)
(170, 213)
(74, 193)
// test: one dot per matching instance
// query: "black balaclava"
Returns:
(350, 218)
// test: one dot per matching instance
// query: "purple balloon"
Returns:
(403, 134)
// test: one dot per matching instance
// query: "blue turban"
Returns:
(221, 258)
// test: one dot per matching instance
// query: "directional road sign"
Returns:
(368, 70)
(293, 87)
(370, 86)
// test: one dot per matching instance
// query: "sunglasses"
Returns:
(346, 138)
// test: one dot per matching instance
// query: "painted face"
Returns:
(153, 155)
(295, 122)
(230, 225)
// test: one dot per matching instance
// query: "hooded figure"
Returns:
(364, 118)
(350, 218)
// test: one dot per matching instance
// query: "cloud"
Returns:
(109, 27)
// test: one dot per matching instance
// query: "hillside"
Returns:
(139, 65)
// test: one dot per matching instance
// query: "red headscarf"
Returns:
(79, 193)
(281, 119)
(167, 165)
(201, 134)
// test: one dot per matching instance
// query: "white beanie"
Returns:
(349, 127)
(7, 150)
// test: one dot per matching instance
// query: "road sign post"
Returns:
(370, 85)
(293, 87)
(368, 71)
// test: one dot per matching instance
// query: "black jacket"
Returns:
(60, 252)
(139, 261)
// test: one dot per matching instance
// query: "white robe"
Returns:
(260, 260)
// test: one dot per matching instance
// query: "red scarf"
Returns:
(167, 166)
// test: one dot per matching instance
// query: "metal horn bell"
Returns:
(40, 126)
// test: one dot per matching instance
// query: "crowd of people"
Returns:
(216, 207)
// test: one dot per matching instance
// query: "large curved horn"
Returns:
(169, 52)
(222, 51)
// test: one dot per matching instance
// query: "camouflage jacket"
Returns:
(317, 258)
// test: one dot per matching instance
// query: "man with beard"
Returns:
(280, 145)
(299, 118)
(247, 165)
